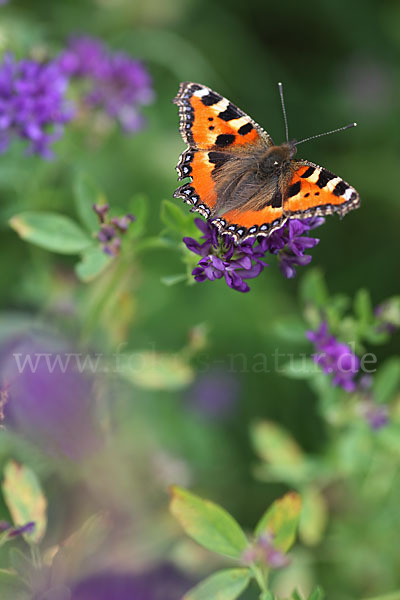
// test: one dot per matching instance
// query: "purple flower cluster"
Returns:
(335, 358)
(116, 83)
(289, 244)
(32, 103)
(221, 257)
(112, 229)
(263, 551)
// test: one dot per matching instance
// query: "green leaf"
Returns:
(94, 260)
(300, 368)
(51, 231)
(390, 311)
(156, 371)
(24, 499)
(86, 194)
(387, 380)
(291, 329)
(139, 207)
(224, 585)
(207, 523)
(178, 220)
(281, 520)
(314, 516)
(170, 280)
(267, 596)
(275, 445)
(313, 289)
(317, 594)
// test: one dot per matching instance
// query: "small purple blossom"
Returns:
(16, 531)
(289, 244)
(111, 229)
(263, 551)
(116, 83)
(376, 415)
(222, 258)
(335, 358)
(32, 104)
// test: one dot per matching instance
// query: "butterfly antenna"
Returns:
(326, 133)
(283, 110)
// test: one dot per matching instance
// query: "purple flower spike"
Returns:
(111, 229)
(118, 84)
(246, 260)
(221, 258)
(335, 358)
(289, 243)
(32, 104)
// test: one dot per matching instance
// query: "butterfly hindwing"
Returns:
(314, 191)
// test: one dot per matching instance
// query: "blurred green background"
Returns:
(339, 62)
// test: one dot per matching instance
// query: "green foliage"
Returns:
(92, 263)
(223, 585)
(50, 231)
(25, 499)
(207, 523)
(281, 521)
(215, 529)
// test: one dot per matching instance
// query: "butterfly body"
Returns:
(240, 179)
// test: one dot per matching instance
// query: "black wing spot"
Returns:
(274, 202)
(340, 188)
(218, 159)
(245, 129)
(211, 128)
(308, 173)
(316, 194)
(224, 139)
(211, 98)
(294, 189)
(324, 177)
(306, 195)
(211, 118)
(231, 112)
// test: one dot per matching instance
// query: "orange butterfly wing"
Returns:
(212, 127)
(316, 191)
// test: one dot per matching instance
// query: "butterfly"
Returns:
(239, 179)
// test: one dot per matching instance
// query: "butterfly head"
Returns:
(277, 156)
